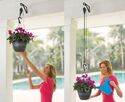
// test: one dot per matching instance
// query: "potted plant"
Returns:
(19, 38)
(84, 85)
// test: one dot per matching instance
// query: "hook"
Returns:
(85, 67)
(19, 20)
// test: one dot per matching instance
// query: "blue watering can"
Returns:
(105, 87)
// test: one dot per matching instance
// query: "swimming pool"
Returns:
(120, 78)
(23, 85)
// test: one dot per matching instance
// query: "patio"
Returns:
(34, 96)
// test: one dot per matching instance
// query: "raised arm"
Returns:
(30, 80)
(31, 84)
(32, 66)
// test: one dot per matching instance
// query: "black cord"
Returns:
(85, 9)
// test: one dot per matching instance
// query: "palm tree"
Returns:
(57, 37)
(36, 53)
(118, 34)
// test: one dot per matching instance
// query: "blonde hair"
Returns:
(52, 73)
(108, 65)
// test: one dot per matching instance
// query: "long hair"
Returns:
(108, 65)
(52, 74)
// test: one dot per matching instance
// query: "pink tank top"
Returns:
(46, 90)
(109, 98)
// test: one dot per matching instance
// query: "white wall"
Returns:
(103, 19)
(42, 21)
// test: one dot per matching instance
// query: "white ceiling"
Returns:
(97, 7)
(37, 7)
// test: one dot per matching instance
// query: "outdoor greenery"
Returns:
(99, 47)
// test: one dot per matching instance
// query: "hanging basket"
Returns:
(19, 46)
(83, 95)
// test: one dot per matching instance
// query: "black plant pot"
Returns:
(19, 46)
(84, 96)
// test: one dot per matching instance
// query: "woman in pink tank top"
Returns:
(106, 72)
(48, 75)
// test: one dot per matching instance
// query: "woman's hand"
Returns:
(118, 90)
(27, 72)
(23, 54)
(113, 84)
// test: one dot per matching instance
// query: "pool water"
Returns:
(60, 81)
(120, 77)
(24, 85)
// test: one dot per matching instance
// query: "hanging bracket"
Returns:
(21, 10)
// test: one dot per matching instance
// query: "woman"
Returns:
(48, 75)
(106, 72)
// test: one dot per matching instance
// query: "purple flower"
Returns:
(89, 78)
(20, 29)
(83, 76)
(20, 34)
(77, 78)
(29, 34)
(86, 80)
(10, 32)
